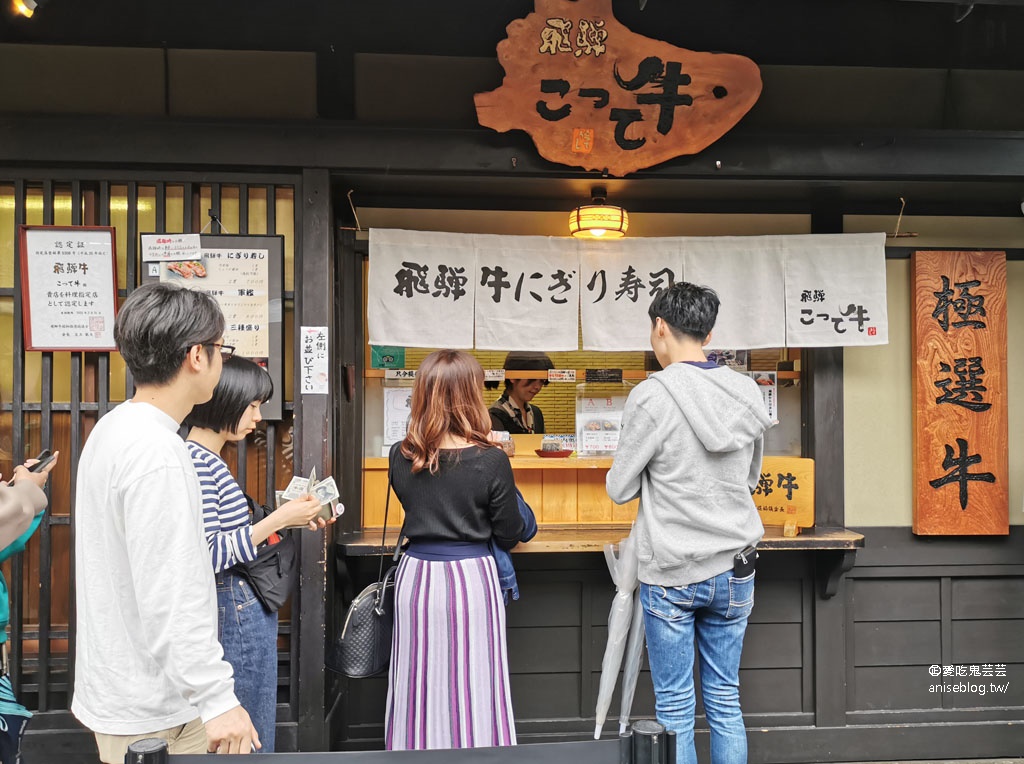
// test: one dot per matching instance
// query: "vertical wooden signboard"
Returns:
(961, 470)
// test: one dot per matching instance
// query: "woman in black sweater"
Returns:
(448, 686)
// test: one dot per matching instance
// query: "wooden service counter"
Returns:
(574, 514)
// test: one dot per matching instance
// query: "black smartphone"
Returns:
(44, 459)
(743, 563)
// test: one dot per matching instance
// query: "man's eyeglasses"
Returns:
(226, 351)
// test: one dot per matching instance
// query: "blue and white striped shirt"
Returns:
(226, 520)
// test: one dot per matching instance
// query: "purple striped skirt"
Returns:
(448, 685)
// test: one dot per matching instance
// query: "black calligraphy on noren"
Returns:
(411, 278)
(959, 463)
(969, 308)
(630, 285)
(968, 389)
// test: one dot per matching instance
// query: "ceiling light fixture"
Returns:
(598, 220)
(26, 7)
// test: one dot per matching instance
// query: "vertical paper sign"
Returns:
(835, 290)
(68, 287)
(769, 384)
(396, 414)
(619, 281)
(239, 280)
(961, 470)
(313, 352)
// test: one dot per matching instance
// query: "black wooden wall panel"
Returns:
(995, 641)
(895, 599)
(546, 696)
(544, 650)
(771, 691)
(988, 598)
(777, 601)
(893, 688)
(897, 643)
(772, 645)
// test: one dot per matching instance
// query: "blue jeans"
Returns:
(248, 634)
(716, 611)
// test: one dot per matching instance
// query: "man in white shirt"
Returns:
(148, 663)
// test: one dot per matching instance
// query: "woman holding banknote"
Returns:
(247, 630)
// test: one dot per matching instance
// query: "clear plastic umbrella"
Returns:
(623, 568)
(634, 657)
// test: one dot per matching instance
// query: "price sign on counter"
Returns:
(561, 375)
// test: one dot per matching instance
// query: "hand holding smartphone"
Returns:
(44, 459)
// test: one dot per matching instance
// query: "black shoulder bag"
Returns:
(272, 573)
(363, 648)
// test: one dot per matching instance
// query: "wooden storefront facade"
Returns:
(844, 638)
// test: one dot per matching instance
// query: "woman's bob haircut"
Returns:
(446, 400)
(241, 383)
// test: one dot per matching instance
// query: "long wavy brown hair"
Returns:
(446, 400)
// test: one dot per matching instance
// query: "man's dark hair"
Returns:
(687, 308)
(157, 325)
(241, 383)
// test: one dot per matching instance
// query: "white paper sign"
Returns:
(620, 279)
(69, 275)
(527, 296)
(396, 414)
(422, 287)
(313, 353)
(170, 246)
(835, 290)
(768, 382)
(561, 375)
(747, 274)
(239, 280)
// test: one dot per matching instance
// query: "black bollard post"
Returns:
(626, 747)
(648, 742)
(150, 750)
(670, 747)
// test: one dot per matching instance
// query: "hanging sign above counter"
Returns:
(431, 289)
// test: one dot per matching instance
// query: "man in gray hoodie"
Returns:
(690, 448)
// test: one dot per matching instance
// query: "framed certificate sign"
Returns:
(68, 287)
(245, 274)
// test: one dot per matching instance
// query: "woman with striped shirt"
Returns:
(448, 685)
(247, 630)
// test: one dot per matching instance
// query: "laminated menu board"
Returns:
(68, 287)
(245, 274)
(599, 410)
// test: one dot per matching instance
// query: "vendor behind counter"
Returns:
(512, 412)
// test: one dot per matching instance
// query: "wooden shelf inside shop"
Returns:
(630, 374)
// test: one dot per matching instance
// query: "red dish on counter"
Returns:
(552, 454)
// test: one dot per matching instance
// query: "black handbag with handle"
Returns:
(272, 574)
(363, 647)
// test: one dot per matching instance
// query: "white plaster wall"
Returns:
(879, 464)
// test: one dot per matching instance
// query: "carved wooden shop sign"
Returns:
(592, 93)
